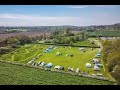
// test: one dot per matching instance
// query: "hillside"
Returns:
(115, 26)
(20, 75)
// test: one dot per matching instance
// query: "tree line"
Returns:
(111, 51)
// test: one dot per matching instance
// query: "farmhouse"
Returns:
(88, 65)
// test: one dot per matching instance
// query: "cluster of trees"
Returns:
(67, 37)
(20, 39)
(111, 51)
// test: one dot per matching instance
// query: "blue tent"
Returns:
(98, 53)
(49, 65)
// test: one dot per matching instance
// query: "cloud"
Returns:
(108, 6)
(77, 6)
(83, 20)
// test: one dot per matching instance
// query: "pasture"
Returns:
(79, 59)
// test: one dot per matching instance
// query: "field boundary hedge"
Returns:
(68, 45)
(46, 69)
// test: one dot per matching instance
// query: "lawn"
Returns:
(20, 75)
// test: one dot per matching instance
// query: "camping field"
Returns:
(20, 75)
(79, 59)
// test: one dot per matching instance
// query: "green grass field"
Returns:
(106, 33)
(79, 59)
(85, 43)
(23, 54)
(20, 75)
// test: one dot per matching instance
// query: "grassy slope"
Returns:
(20, 75)
(23, 54)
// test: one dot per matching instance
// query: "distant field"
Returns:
(31, 34)
(105, 33)
(20, 75)
(84, 43)
(79, 59)
(78, 43)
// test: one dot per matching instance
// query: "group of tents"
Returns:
(59, 54)
(42, 64)
(71, 69)
(49, 49)
(96, 63)
(30, 62)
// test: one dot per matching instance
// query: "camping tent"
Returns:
(88, 65)
(58, 53)
(99, 65)
(81, 48)
(77, 70)
(95, 61)
(96, 68)
(49, 65)
(42, 64)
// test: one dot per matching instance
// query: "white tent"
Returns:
(88, 65)
(57, 67)
(77, 70)
(58, 53)
(96, 68)
(81, 48)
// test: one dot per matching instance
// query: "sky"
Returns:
(54, 15)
